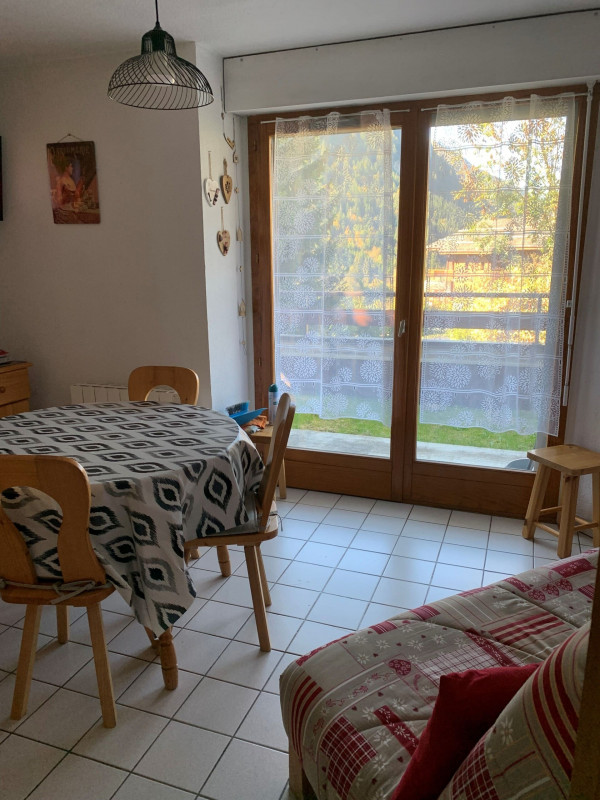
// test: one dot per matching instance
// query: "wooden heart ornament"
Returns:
(211, 190)
(224, 241)
(226, 183)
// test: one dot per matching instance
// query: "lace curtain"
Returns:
(500, 179)
(334, 263)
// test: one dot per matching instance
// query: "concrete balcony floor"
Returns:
(380, 448)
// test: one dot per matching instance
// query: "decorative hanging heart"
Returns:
(224, 241)
(211, 190)
(226, 183)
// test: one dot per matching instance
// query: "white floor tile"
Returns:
(424, 549)
(298, 529)
(438, 516)
(281, 547)
(23, 764)
(508, 543)
(342, 611)
(383, 524)
(263, 724)
(511, 563)
(209, 559)
(113, 625)
(307, 513)
(306, 576)
(197, 652)
(542, 562)
(197, 751)
(438, 593)
(235, 590)
(467, 519)
(217, 706)
(334, 535)
(468, 537)
(295, 495)
(400, 594)
(416, 529)
(199, 602)
(205, 582)
(547, 549)
(63, 719)
(462, 556)
(459, 578)
(123, 669)
(11, 613)
(507, 525)
(10, 646)
(115, 602)
(274, 567)
(248, 771)
(375, 541)
(346, 519)
(245, 664)
(56, 663)
(138, 788)
(326, 555)
(364, 561)
(124, 745)
(324, 499)
(292, 600)
(315, 634)
(377, 612)
(134, 642)
(219, 619)
(272, 685)
(352, 584)
(409, 569)
(389, 509)
(361, 504)
(38, 694)
(148, 692)
(284, 507)
(282, 630)
(493, 577)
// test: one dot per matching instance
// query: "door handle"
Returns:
(401, 328)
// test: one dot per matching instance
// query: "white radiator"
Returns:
(107, 393)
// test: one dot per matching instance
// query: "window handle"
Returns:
(401, 328)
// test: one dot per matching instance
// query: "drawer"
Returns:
(14, 386)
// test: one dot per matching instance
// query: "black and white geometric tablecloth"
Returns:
(159, 474)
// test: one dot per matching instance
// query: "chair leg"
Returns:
(258, 601)
(31, 628)
(62, 622)
(224, 562)
(193, 554)
(168, 660)
(263, 577)
(596, 507)
(567, 517)
(540, 484)
(103, 676)
(281, 482)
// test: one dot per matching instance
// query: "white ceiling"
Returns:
(50, 29)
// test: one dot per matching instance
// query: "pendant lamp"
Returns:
(158, 78)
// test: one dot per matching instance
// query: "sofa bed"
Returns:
(355, 710)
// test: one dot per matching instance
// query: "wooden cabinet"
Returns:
(14, 388)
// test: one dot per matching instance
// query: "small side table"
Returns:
(263, 437)
(14, 388)
(572, 462)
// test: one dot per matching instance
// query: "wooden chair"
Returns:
(83, 578)
(144, 379)
(264, 526)
(572, 462)
(263, 438)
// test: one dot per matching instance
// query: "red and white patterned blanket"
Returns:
(355, 708)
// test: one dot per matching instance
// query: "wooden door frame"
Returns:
(401, 477)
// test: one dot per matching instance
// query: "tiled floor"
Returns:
(340, 563)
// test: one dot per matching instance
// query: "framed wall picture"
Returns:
(73, 183)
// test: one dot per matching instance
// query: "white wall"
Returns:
(523, 52)
(87, 303)
(224, 282)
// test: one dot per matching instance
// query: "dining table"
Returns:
(159, 474)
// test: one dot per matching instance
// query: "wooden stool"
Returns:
(572, 462)
(264, 437)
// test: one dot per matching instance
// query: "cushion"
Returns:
(529, 751)
(467, 704)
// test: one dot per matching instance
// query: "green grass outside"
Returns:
(440, 434)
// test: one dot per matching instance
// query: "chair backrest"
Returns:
(66, 482)
(281, 432)
(144, 379)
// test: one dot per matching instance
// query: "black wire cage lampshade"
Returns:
(158, 78)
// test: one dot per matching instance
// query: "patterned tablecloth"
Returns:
(159, 474)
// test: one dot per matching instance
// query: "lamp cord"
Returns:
(156, 5)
